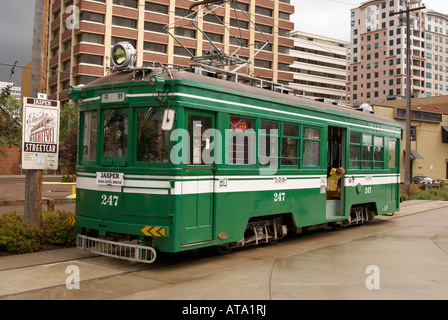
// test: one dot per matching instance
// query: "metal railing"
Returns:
(119, 250)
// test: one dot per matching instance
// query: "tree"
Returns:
(10, 124)
(68, 134)
(68, 121)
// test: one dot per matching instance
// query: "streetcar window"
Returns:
(242, 141)
(115, 134)
(268, 143)
(311, 147)
(89, 136)
(392, 153)
(355, 145)
(290, 140)
(366, 151)
(199, 132)
(378, 152)
(152, 141)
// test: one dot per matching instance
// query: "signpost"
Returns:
(33, 178)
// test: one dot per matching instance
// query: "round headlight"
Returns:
(74, 92)
(123, 55)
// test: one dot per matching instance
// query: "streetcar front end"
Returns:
(125, 196)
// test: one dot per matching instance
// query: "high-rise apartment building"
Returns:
(436, 54)
(378, 52)
(80, 53)
(320, 66)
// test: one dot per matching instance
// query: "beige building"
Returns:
(320, 66)
(429, 134)
(79, 55)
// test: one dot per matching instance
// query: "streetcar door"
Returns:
(335, 160)
(198, 179)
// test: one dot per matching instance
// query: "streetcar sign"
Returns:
(40, 134)
(110, 178)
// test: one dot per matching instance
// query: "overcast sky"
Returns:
(329, 18)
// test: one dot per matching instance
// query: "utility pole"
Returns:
(407, 159)
(33, 178)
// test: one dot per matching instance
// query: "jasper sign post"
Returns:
(40, 135)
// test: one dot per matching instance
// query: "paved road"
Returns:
(399, 257)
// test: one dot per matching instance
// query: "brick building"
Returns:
(77, 56)
(11, 163)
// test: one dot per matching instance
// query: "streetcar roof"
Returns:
(179, 74)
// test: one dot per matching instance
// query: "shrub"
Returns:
(404, 196)
(67, 178)
(56, 229)
(18, 236)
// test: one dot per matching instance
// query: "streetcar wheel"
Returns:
(223, 249)
(337, 227)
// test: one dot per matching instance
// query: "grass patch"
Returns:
(418, 193)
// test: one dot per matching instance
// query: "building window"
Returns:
(92, 17)
(213, 18)
(266, 46)
(155, 27)
(156, 47)
(115, 40)
(126, 3)
(213, 37)
(444, 135)
(83, 79)
(413, 133)
(90, 59)
(183, 32)
(283, 66)
(181, 51)
(284, 15)
(264, 28)
(91, 37)
(239, 23)
(124, 22)
(263, 11)
(155, 7)
(263, 64)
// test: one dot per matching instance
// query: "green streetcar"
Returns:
(178, 160)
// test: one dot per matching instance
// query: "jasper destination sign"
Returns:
(40, 135)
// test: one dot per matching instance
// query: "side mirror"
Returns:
(168, 119)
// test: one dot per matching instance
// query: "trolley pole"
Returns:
(33, 178)
(407, 158)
